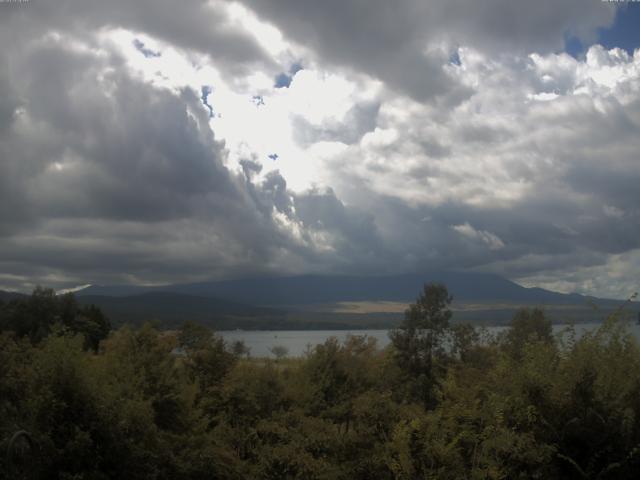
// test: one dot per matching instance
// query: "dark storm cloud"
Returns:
(406, 43)
(192, 24)
(380, 39)
(115, 149)
(109, 179)
(106, 178)
(355, 230)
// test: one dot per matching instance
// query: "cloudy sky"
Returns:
(152, 141)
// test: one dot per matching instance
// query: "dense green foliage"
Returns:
(439, 402)
(36, 316)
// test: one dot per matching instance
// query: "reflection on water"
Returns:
(297, 341)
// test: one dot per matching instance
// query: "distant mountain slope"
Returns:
(6, 296)
(171, 309)
(315, 289)
(310, 302)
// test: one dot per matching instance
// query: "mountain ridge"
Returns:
(311, 301)
(318, 289)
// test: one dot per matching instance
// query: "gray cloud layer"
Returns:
(193, 24)
(106, 178)
(405, 43)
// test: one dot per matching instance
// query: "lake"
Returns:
(297, 341)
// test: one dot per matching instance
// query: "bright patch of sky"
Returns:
(254, 119)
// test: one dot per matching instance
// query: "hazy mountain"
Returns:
(6, 296)
(315, 289)
(171, 309)
(309, 301)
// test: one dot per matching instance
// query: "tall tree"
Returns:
(35, 316)
(419, 340)
(527, 326)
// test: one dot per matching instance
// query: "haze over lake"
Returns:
(297, 342)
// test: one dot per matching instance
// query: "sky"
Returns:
(155, 142)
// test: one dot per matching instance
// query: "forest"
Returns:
(79, 400)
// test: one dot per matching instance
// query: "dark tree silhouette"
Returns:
(419, 340)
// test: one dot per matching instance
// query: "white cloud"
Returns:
(489, 239)
(611, 211)
(615, 277)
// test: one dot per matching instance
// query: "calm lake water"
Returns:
(297, 341)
